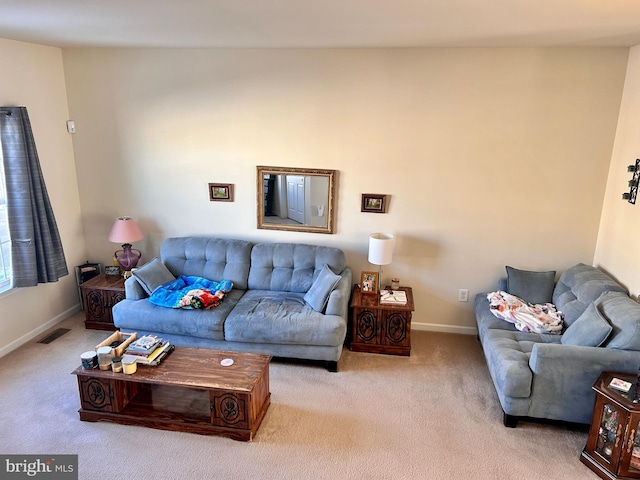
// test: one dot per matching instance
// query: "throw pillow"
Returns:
(623, 313)
(590, 329)
(318, 294)
(152, 275)
(532, 287)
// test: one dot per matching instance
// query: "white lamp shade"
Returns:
(125, 230)
(380, 248)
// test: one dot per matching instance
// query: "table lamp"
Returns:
(380, 251)
(126, 231)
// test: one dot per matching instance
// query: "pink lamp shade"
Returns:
(126, 231)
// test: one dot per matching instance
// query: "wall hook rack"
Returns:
(633, 183)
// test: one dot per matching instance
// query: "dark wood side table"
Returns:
(99, 295)
(613, 445)
(380, 328)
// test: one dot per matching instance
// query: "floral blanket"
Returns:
(191, 292)
(525, 316)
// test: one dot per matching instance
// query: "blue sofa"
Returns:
(545, 376)
(288, 300)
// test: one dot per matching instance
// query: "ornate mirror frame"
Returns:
(319, 216)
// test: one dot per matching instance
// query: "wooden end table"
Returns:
(190, 391)
(380, 328)
(99, 295)
(613, 445)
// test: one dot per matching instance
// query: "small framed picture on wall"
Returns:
(221, 192)
(373, 203)
(369, 282)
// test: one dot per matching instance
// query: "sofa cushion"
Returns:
(589, 330)
(211, 258)
(142, 315)
(264, 316)
(152, 275)
(508, 362)
(623, 313)
(579, 286)
(486, 320)
(318, 294)
(291, 267)
(532, 287)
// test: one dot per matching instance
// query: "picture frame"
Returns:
(373, 203)
(221, 192)
(369, 283)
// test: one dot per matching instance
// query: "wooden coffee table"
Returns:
(190, 391)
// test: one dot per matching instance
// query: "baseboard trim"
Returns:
(435, 327)
(27, 337)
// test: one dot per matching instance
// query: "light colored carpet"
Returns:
(434, 415)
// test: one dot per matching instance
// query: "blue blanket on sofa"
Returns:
(191, 292)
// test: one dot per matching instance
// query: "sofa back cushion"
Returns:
(211, 258)
(291, 267)
(579, 286)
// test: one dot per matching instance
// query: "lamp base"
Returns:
(128, 257)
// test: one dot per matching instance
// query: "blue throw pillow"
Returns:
(152, 275)
(318, 294)
(623, 313)
(590, 329)
(532, 287)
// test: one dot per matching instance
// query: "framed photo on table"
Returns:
(369, 282)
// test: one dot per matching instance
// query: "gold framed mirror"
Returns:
(296, 199)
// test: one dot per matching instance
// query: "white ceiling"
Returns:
(322, 23)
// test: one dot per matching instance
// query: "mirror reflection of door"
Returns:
(309, 192)
(295, 198)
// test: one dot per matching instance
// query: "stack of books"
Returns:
(149, 350)
(393, 297)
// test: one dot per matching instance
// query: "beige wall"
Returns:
(490, 156)
(33, 76)
(617, 249)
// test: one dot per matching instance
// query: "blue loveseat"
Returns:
(288, 300)
(545, 376)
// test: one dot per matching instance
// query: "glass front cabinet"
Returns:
(613, 445)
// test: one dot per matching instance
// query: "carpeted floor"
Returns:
(434, 415)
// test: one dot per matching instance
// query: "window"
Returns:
(5, 239)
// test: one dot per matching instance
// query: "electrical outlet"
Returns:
(463, 295)
(71, 126)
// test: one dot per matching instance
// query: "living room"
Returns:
(494, 155)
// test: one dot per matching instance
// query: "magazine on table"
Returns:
(156, 356)
(144, 344)
(391, 297)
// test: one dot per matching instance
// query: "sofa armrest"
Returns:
(563, 377)
(133, 289)
(570, 360)
(338, 303)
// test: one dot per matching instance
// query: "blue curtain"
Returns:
(36, 248)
